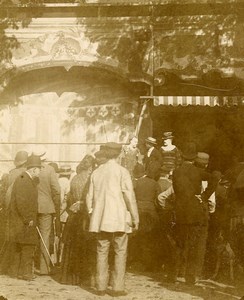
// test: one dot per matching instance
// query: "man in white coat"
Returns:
(113, 214)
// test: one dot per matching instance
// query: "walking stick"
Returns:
(38, 230)
(1, 251)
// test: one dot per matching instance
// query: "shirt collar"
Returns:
(150, 151)
(28, 174)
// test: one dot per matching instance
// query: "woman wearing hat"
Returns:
(75, 267)
(171, 157)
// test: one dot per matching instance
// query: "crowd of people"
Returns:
(162, 210)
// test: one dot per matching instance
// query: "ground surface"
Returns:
(139, 286)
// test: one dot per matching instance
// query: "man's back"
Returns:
(187, 181)
(48, 190)
(110, 183)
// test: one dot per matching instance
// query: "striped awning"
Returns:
(196, 100)
(186, 100)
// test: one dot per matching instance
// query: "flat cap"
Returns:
(202, 158)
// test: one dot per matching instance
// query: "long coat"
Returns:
(23, 209)
(109, 188)
(187, 184)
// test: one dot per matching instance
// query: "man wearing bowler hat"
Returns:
(20, 166)
(113, 213)
(152, 159)
(190, 213)
(23, 220)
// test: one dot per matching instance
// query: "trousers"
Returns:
(45, 226)
(119, 242)
(22, 260)
(190, 251)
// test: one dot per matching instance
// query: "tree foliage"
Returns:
(8, 19)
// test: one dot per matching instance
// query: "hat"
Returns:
(20, 158)
(151, 140)
(100, 154)
(100, 157)
(167, 135)
(202, 158)
(113, 146)
(33, 161)
(40, 150)
(189, 151)
(65, 170)
(139, 171)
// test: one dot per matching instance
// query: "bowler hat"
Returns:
(33, 161)
(202, 158)
(167, 135)
(151, 140)
(20, 158)
(189, 151)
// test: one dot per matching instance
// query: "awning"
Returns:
(185, 100)
(196, 100)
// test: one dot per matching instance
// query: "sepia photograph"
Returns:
(122, 149)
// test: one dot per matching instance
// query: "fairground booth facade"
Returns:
(87, 72)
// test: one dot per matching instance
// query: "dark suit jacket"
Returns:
(153, 164)
(146, 191)
(23, 209)
(187, 183)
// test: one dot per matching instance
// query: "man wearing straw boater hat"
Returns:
(152, 159)
(23, 220)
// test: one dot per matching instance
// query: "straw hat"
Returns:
(65, 170)
(151, 140)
